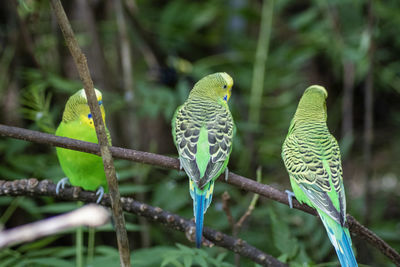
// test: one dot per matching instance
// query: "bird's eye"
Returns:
(225, 86)
(89, 115)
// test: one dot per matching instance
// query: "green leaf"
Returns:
(171, 260)
(220, 257)
(187, 260)
(9, 262)
(39, 245)
(48, 261)
(149, 256)
(282, 238)
(200, 260)
(185, 249)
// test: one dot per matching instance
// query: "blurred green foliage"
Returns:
(173, 44)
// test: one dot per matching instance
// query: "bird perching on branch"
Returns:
(312, 158)
(82, 169)
(203, 130)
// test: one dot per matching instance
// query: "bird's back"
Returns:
(312, 157)
(203, 136)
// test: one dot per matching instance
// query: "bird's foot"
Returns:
(290, 196)
(226, 174)
(61, 184)
(100, 193)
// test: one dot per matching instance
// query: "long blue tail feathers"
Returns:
(340, 239)
(201, 201)
(199, 215)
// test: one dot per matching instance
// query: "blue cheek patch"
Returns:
(226, 97)
(89, 115)
(100, 102)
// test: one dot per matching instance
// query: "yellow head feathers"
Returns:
(217, 86)
(77, 108)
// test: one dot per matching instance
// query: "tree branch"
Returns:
(84, 74)
(89, 215)
(172, 163)
(36, 188)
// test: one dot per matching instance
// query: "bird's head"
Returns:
(316, 91)
(312, 104)
(77, 108)
(217, 86)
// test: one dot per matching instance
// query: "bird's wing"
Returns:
(220, 129)
(313, 161)
(203, 137)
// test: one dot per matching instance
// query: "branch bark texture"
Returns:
(244, 183)
(83, 70)
(36, 188)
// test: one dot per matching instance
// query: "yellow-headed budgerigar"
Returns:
(82, 169)
(203, 130)
(312, 158)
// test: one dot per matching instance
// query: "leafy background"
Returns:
(343, 45)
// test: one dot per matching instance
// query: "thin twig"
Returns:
(83, 70)
(89, 215)
(252, 205)
(173, 163)
(35, 188)
(236, 227)
(225, 206)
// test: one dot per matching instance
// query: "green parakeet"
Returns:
(312, 158)
(82, 169)
(203, 130)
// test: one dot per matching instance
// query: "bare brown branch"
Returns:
(173, 163)
(83, 70)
